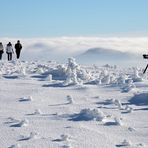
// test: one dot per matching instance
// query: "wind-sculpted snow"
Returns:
(49, 104)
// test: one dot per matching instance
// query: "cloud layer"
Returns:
(61, 47)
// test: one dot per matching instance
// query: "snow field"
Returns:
(73, 106)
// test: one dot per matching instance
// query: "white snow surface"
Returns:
(98, 107)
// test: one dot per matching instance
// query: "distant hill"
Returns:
(103, 55)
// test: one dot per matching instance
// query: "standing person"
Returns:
(9, 51)
(1, 50)
(18, 48)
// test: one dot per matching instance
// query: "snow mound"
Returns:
(126, 143)
(115, 122)
(37, 112)
(32, 135)
(118, 121)
(64, 137)
(75, 75)
(139, 99)
(22, 123)
(88, 114)
(29, 98)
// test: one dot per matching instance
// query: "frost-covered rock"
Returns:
(88, 114)
(71, 72)
(75, 74)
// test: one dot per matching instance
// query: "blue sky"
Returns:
(55, 18)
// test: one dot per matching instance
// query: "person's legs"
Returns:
(18, 54)
(10, 56)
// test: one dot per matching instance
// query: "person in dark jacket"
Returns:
(1, 50)
(18, 48)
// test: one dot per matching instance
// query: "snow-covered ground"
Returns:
(51, 105)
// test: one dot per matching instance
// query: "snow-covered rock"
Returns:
(88, 114)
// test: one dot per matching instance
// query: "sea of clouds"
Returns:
(58, 48)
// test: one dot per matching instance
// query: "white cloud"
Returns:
(68, 46)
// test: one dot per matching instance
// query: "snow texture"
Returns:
(48, 104)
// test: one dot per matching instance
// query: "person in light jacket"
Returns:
(1, 50)
(9, 51)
